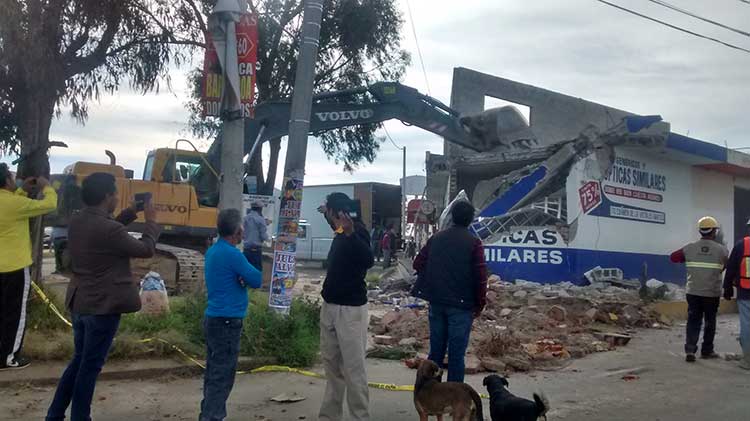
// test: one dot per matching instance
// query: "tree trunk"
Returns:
(273, 165)
(33, 131)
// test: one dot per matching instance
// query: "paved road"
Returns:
(587, 390)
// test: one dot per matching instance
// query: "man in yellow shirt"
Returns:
(15, 210)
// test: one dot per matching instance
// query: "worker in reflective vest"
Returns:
(704, 260)
(738, 275)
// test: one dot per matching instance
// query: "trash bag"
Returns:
(446, 218)
(154, 299)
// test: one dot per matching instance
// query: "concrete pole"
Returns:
(294, 167)
(230, 193)
(404, 213)
(299, 125)
(232, 145)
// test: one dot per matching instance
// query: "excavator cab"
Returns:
(180, 166)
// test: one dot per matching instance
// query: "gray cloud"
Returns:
(578, 47)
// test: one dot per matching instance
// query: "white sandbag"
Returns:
(154, 299)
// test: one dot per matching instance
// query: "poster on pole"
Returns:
(212, 89)
(284, 275)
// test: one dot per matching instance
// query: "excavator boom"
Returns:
(376, 103)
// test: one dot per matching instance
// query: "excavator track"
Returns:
(189, 274)
(180, 268)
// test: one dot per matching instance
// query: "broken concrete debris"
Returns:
(525, 326)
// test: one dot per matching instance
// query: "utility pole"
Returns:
(404, 213)
(284, 261)
(222, 25)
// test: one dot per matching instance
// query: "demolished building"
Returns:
(585, 186)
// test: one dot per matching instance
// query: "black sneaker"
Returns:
(690, 358)
(17, 364)
(711, 356)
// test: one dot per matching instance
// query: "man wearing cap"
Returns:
(255, 234)
(343, 315)
(738, 275)
(704, 260)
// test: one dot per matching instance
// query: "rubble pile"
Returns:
(526, 325)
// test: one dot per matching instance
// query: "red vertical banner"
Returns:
(247, 57)
(213, 81)
(212, 87)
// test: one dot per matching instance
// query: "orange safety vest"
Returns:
(745, 265)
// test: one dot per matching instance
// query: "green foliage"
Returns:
(292, 340)
(64, 54)
(359, 44)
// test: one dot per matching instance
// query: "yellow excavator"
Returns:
(184, 182)
(187, 226)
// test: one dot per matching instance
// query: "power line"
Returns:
(419, 50)
(687, 31)
(693, 15)
(391, 139)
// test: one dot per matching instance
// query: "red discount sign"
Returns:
(247, 56)
(591, 196)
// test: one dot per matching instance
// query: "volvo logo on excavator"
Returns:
(170, 208)
(345, 115)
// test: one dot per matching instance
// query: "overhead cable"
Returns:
(687, 31)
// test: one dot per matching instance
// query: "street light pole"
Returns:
(284, 262)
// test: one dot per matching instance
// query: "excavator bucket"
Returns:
(503, 127)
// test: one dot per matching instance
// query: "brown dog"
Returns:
(432, 397)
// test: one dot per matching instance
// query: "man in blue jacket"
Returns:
(228, 275)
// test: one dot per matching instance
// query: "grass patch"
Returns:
(292, 340)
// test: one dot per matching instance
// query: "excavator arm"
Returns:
(376, 103)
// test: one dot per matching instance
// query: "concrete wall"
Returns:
(553, 116)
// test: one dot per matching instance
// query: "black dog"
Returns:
(504, 406)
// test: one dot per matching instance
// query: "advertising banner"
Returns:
(212, 88)
(633, 191)
(285, 250)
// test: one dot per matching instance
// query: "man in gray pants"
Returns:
(344, 317)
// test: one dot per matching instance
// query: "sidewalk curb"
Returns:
(169, 368)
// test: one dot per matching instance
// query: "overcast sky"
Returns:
(578, 47)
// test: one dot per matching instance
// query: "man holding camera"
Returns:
(343, 316)
(16, 208)
(102, 287)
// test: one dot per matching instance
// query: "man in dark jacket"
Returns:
(102, 287)
(452, 276)
(738, 275)
(343, 316)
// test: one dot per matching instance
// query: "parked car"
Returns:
(47, 238)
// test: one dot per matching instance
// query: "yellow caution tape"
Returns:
(49, 303)
(264, 369)
(176, 348)
(285, 369)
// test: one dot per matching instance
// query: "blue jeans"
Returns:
(450, 328)
(254, 256)
(744, 307)
(222, 350)
(93, 337)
